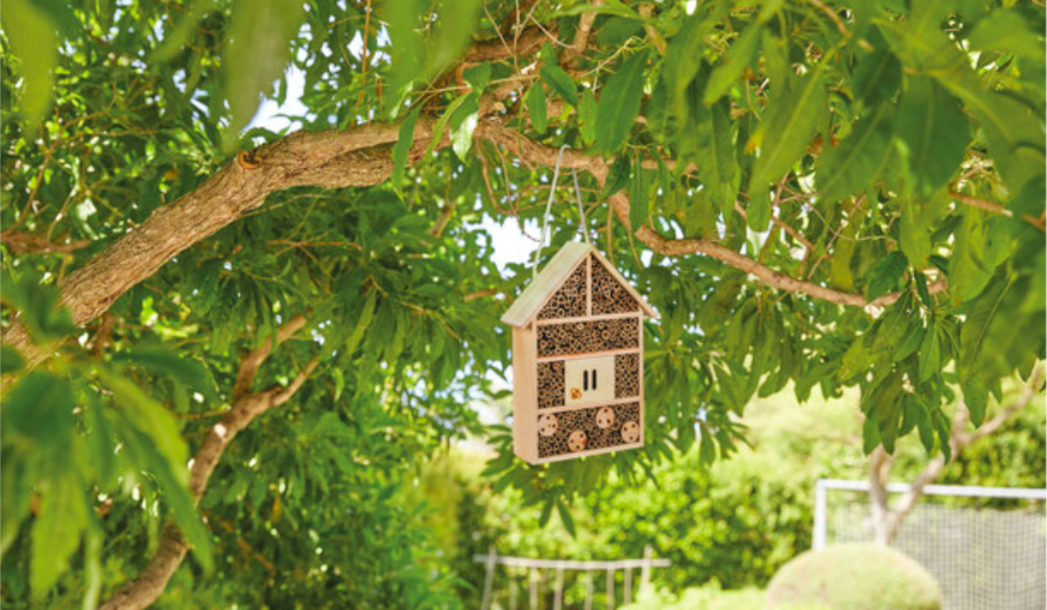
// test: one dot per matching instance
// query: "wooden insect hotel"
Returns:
(577, 359)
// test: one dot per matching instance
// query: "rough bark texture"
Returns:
(359, 156)
(887, 520)
(247, 405)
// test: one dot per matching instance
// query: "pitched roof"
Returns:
(524, 309)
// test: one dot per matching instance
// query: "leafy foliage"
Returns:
(867, 148)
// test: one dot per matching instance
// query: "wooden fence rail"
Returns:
(534, 578)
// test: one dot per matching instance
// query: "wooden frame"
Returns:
(618, 417)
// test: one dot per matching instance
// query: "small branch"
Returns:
(480, 294)
(170, 552)
(27, 243)
(959, 440)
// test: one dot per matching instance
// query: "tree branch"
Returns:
(247, 406)
(545, 155)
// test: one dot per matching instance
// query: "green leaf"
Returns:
(930, 354)
(565, 517)
(34, 39)
(719, 167)
(478, 76)
(786, 131)
(706, 447)
(620, 103)
(366, 315)
(402, 147)
(886, 275)
(536, 107)
(741, 54)
(441, 123)
(561, 83)
(934, 134)
(759, 209)
(463, 124)
(164, 361)
(870, 433)
(587, 116)
(56, 532)
(976, 397)
(38, 306)
(150, 417)
(10, 360)
(638, 195)
(257, 51)
(878, 75)
(608, 7)
(1008, 32)
(851, 167)
(143, 451)
(617, 177)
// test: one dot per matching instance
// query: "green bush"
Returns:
(709, 597)
(855, 577)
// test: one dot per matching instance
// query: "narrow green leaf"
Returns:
(34, 39)
(878, 75)
(870, 433)
(976, 397)
(617, 177)
(741, 54)
(441, 123)
(478, 76)
(565, 517)
(10, 360)
(719, 167)
(851, 167)
(536, 107)
(256, 54)
(620, 103)
(787, 129)
(166, 362)
(463, 123)
(1008, 32)
(706, 447)
(930, 354)
(587, 116)
(886, 275)
(561, 83)
(638, 198)
(56, 532)
(366, 315)
(402, 147)
(934, 134)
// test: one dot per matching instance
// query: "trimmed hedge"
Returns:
(855, 577)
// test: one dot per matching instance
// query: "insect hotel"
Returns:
(577, 359)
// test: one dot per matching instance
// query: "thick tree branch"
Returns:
(247, 406)
(358, 156)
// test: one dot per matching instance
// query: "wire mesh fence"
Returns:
(984, 556)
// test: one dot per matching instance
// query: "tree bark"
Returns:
(358, 156)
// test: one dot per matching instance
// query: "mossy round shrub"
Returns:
(855, 577)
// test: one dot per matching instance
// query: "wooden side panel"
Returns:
(525, 396)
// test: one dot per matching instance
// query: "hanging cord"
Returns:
(548, 206)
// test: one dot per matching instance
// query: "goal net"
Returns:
(986, 546)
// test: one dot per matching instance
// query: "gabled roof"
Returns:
(524, 309)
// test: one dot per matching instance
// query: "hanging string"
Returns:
(548, 207)
(582, 226)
